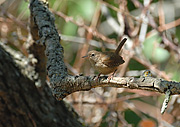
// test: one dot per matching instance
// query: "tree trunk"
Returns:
(23, 105)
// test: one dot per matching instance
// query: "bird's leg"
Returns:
(96, 78)
(111, 76)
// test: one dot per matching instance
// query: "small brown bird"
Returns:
(106, 62)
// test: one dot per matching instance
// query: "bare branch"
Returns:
(89, 29)
(63, 84)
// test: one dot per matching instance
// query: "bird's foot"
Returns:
(111, 76)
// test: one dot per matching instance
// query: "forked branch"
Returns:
(64, 84)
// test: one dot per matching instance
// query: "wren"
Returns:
(106, 62)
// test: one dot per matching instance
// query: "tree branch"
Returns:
(64, 84)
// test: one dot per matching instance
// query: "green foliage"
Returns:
(160, 55)
(70, 29)
(132, 117)
(105, 121)
(23, 9)
(176, 75)
(78, 9)
(134, 65)
(84, 8)
(130, 5)
(178, 33)
(152, 50)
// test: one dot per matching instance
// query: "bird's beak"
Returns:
(85, 56)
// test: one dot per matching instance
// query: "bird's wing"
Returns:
(112, 60)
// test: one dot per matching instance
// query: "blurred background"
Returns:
(153, 32)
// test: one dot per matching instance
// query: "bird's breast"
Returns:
(105, 70)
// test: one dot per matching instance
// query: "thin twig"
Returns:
(151, 67)
(89, 29)
(161, 13)
(169, 25)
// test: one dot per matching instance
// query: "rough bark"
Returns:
(23, 105)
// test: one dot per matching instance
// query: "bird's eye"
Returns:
(92, 54)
